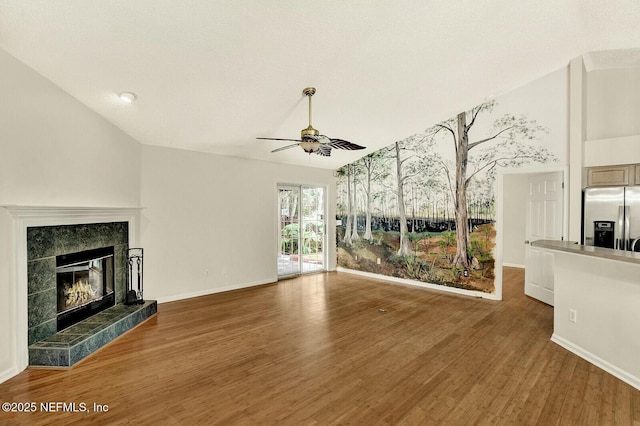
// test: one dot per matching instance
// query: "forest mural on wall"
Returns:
(423, 207)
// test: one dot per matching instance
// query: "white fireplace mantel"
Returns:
(30, 216)
(55, 212)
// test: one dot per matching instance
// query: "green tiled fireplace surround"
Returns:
(44, 243)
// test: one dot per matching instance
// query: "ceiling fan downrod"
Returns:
(309, 92)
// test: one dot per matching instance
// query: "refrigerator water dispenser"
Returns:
(603, 233)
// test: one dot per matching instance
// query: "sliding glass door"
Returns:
(301, 230)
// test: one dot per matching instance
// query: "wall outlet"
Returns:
(378, 261)
(573, 315)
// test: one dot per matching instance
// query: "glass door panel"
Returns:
(301, 230)
(313, 236)
(288, 227)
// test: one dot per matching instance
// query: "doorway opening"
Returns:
(531, 204)
(301, 230)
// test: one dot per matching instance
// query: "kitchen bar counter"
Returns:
(601, 252)
(597, 305)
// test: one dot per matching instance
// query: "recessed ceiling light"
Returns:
(128, 97)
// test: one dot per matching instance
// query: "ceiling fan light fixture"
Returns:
(311, 141)
(128, 97)
(310, 147)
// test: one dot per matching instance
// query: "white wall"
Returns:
(7, 297)
(614, 151)
(612, 108)
(612, 103)
(53, 151)
(577, 131)
(208, 222)
(605, 295)
(56, 151)
(514, 219)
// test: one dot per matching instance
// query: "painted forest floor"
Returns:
(430, 258)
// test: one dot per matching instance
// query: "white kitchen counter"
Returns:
(601, 252)
(602, 287)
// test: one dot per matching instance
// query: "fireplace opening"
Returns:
(85, 285)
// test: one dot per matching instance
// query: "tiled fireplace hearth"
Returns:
(44, 237)
(72, 344)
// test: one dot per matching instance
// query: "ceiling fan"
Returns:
(311, 141)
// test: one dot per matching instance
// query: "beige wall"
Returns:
(209, 222)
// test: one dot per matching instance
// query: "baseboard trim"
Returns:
(513, 265)
(597, 361)
(213, 291)
(8, 373)
(443, 288)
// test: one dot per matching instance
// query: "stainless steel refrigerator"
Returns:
(611, 217)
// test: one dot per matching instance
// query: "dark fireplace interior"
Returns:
(85, 285)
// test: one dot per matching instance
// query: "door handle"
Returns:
(527, 242)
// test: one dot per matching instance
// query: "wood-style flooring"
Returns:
(334, 348)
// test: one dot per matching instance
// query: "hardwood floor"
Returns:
(334, 348)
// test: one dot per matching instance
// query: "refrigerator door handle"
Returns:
(627, 227)
(620, 231)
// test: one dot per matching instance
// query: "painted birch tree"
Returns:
(514, 144)
(376, 168)
(354, 224)
(413, 159)
(342, 173)
(401, 177)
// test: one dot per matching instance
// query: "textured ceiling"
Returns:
(212, 76)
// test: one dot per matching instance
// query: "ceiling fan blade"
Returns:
(286, 147)
(324, 150)
(342, 144)
(280, 139)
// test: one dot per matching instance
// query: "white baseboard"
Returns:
(212, 291)
(597, 361)
(8, 373)
(438, 287)
(513, 265)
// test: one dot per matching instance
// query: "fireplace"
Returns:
(51, 232)
(84, 285)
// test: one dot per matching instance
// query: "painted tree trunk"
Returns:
(367, 226)
(463, 257)
(354, 234)
(404, 240)
(347, 228)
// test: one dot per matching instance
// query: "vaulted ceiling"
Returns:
(213, 75)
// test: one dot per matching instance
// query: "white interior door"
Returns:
(544, 222)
